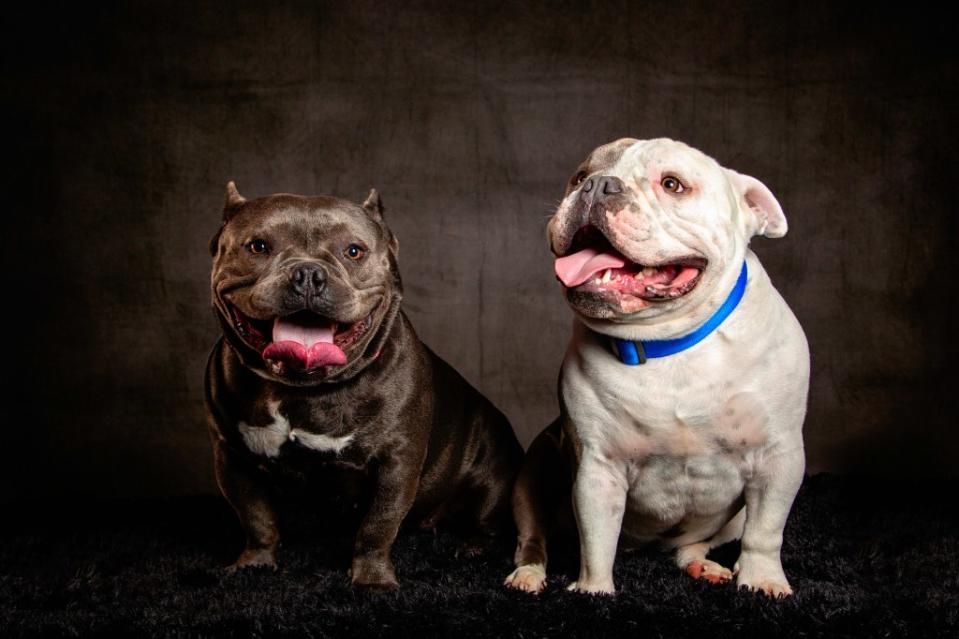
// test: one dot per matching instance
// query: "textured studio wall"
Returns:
(123, 124)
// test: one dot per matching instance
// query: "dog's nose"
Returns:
(308, 279)
(608, 185)
(600, 187)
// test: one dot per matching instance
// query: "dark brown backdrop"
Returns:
(124, 124)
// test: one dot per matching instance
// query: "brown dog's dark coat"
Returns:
(421, 438)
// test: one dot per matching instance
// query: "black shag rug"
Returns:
(866, 559)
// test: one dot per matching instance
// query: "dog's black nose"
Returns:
(308, 279)
(608, 185)
(598, 188)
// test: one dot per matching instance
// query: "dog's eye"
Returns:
(258, 247)
(672, 184)
(578, 178)
(355, 252)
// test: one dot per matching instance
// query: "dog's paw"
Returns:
(762, 574)
(709, 571)
(530, 578)
(254, 558)
(373, 574)
(774, 589)
(592, 588)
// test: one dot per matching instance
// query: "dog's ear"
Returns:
(233, 201)
(766, 216)
(374, 206)
(230, 207)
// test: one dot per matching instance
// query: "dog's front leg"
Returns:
(245, 488)
(396, 483)
(769, 495)
(599, 499)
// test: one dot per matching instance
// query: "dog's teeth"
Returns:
(649, 271)
(607, 275)
(597, 281)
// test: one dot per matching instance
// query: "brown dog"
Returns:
(318, 368)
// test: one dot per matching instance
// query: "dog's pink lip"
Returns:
(256, 333)
(661, 283)
(301, 342)
(593, 265)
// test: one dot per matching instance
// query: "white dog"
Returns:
(683, 390)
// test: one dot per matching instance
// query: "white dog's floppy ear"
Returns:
(768, 218)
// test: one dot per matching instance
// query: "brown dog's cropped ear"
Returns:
(374, 205)
(233, 200)
(232, 204)
(766, 216)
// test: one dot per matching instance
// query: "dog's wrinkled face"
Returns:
(301, 284)
(649, 228)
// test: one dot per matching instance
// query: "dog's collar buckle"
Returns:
(633, 353)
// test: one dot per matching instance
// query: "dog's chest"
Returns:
(276, 426)
(672, 411)
(685, 429)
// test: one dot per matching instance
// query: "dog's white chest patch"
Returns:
(267, 440)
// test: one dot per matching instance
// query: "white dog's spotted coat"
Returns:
(267, 440)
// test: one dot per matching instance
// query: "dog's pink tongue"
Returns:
(304, 344)
(577, 268)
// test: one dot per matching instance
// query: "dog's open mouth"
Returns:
(593, 265)
(302, 342)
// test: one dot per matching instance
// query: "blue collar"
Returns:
(633, 353)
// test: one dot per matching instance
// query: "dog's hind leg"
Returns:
(544, 482)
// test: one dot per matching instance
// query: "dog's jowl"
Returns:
(683, 390)
(318, 368)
